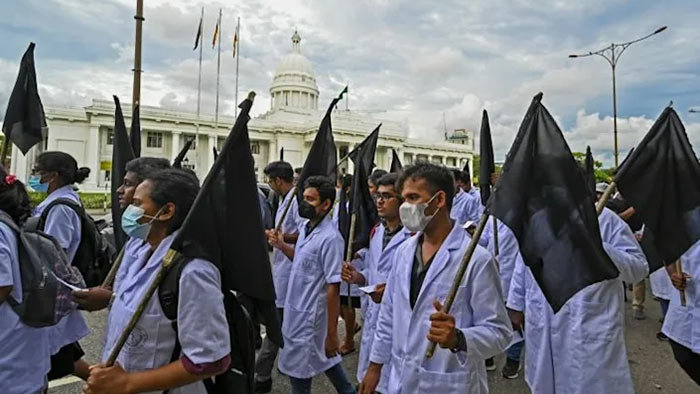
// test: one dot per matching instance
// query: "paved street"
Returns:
(653, 368)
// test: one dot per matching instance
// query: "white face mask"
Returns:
(413, 216)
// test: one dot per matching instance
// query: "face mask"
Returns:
(413, 216)
(307, 210)
(130, 222)
(35, 183)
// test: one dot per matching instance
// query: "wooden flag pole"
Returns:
(167, 260)
(605, 197)
(286, 210)
(348, 252)
(495, 236)
(447, 305)
(679, 271)
(109, 280)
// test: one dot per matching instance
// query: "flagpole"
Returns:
(218, 72)
(199, 95)
(238, 56)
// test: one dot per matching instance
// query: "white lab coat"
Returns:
(661, 285)
(378, 265)
(466, 207)
(508, 251)
(281, 264)
(581, 349)
(400, 338)
(318, 258)
(682, 323)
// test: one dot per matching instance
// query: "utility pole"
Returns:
(136, 94)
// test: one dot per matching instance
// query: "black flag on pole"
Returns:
(25, 122)
(396, 165)
(224, 225)
(282, 153)
(487, 163)
(589, 165)
(543, 198)
(121, 154)
(177, 163)
(135, 132)
(322, 159)
(216, 152)
(661, 180)
(361, 201)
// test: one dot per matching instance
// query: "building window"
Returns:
(189, 137)
(154, 139)
(110, 136)
(255, 147)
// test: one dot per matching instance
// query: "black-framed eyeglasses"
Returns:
(384, 196)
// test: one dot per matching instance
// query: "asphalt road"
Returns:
(653, 368)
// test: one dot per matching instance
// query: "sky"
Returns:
(429, 65)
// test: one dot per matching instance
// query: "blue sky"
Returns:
(413, 59)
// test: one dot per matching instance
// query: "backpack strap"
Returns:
(77, 208)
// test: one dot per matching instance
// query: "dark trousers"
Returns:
(62, 363)
(689, 361)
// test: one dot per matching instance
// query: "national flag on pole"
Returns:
(543, 198)
(661, 180)
(122, 153)
(235, 41)
(216, 32)
(25, 123)
(487, 166)
(198, 38)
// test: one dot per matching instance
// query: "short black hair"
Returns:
(297, 170)
(324, 185)
(388, 180)
(177, 186)
(438, 177)
(279, 169)
(14, 199)
(64, 164)
(144, 167)
(459, 175)
(376, 174)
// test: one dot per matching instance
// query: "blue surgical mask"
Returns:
(35, 183)
(130, 222)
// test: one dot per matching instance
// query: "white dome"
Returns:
(294, 83)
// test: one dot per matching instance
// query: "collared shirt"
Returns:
(387, 236)
(418, 272)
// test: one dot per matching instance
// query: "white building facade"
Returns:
(290, 124)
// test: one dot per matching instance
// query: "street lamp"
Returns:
(612, 54)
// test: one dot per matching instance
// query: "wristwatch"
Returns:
(461, 342)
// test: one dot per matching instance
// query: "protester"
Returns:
(312, 304)
(661, 288)
(465, 207)
(581, 349)
(280, 177)
(137, 170)
(681, 321)
(297, 174)
(424, 268)
(24, 350)
(148, 361)
(56, 173)
(377, 260)
(373, 179)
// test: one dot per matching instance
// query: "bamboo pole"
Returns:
(605, 197)
(348, 251)
(460, 274)
(109, 280)
(495, 236)
(167, 260)
(679, 271)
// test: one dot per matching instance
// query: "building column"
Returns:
(211, 145)
(273, 151)
(93, 157)
(174, 145)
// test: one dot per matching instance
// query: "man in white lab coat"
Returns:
(581, 349)
(466, 205)
(376, 260)
(682, 323)
(411, 312)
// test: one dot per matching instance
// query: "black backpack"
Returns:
(41, 261)
(94, 255)
(238, 378)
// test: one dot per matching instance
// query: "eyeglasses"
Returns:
(384, 196)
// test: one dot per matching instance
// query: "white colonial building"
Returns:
(291, 123)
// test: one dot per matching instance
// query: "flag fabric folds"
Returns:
(487, 164)
(24, 123)
(198, 38)
(590, 170)
(122, 153)
(321, 159)
(177, 162)
(224, 225)
(661, 180)
(361, 201)
(135, 132)
(396, 165)
(542, 197)
(235, 41)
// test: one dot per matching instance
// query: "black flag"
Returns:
(590, 170)
(25, 122)
(216, 153)
(396, 165)
(487, 164)
(177, 163)
(224, 225)
(282, 153)
(135, 132)
(322, 158)
(543, 198)
(121, 154)
(661, 180)
(361, 201)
